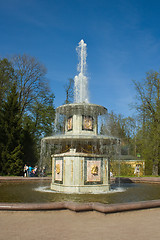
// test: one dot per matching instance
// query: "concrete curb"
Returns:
(79, 207)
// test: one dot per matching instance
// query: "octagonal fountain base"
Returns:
(75, 172)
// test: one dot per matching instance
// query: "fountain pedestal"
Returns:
(79, 173)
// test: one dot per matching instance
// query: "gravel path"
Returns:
(65, 224)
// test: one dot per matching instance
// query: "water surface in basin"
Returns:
(35, 192)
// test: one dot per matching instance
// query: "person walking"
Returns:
(30, 171)
(25, 170)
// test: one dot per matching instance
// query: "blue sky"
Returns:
(122, 36)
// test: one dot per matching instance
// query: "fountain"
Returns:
(80, 163)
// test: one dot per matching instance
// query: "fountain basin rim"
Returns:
(71, 108)
(79, 154)
(90, 137)
(78, 207)
(152, 180)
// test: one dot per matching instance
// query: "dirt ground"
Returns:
(65, 224)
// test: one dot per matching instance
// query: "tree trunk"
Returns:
(155, 168)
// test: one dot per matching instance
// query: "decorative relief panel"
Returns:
(87, 123)
(93, 170)
(58, 171)
(70, 124)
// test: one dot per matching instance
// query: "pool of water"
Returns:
(29, 192)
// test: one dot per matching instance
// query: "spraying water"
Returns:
(81, 81)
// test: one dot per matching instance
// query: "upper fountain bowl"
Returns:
(81, 108)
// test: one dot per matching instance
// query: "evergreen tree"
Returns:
(11, 133)
(30, 148)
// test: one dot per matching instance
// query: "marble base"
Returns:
(80, 189)
(74, 172)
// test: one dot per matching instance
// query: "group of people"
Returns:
(30, 171)
(34, 172)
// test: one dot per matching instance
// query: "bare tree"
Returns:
(30, 77)
(6, 77)
(148, 107)
(69, 91)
